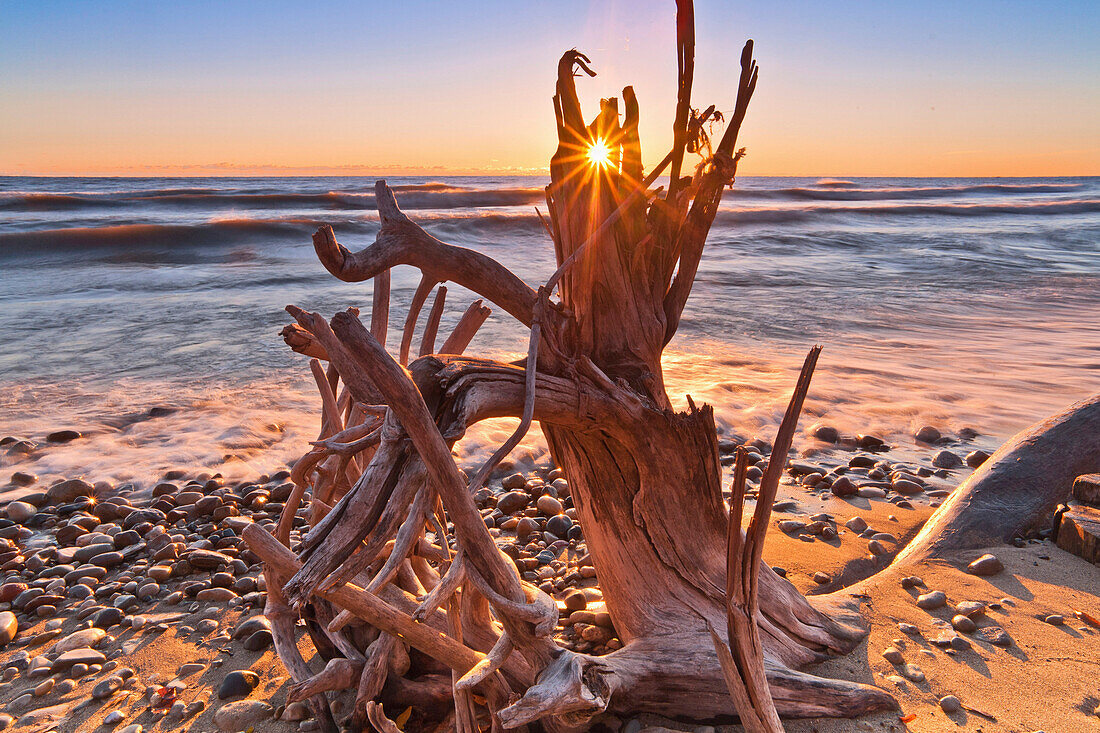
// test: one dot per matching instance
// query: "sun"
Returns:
(599, 154)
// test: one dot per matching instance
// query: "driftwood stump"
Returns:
(400, 583)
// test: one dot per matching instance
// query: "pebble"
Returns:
(114, 717)
(962, 623)
(971, 608)
(913, 673)
(871, 492)
(928, 434)
(946, 459)
(842, 487)
(893, 655)
(1055, 619)
(238, 684)
(259, 641)
(994, 635)
(241, 715)
(950, 704)
(985, 565)
(976, 458)
(912, 581)
(80, 639)
(908, 629)
(856, 524)
(548, 505)
(20, 511)
(9, 627)
(822, 578)
(932, 600)
(107, 687)
(513, 502)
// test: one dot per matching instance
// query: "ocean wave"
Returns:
(780, 215)
(894, 193)
(218, 232)
(409, 196)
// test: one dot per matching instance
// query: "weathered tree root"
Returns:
(405, 590)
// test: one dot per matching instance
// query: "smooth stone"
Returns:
(548, 505)
(189, 669)
(950, 704)
(575, 601)
(238, 684)
(791, 526)
(842, 486)
(932, 600)
(9, 627)
(971, 608)
(259, 641)
(876, 548)
(912, 581)
(976, 458)
(907, 488)
(77, 656)
(856, 524)
(513, 502)
(827, 433)
(946, 459)
(928, 434)
(69, 491)
(962, 623)
(893, 655)
(106, 688)
(250, 626)
(216, 595)
(135, 728)
(113, 718)
(241, 715)
(871, 492)
(994, 635)
(822, 578)
(20, 511)
(559, 525)
(908, 629)
(1055, 619)
(85, 638)
(985, 565)
(107, 617)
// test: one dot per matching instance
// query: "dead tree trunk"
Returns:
(396, 541)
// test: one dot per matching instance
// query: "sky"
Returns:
(875, 88)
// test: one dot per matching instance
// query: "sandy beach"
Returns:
(166, 658)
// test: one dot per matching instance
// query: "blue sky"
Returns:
(873, 88)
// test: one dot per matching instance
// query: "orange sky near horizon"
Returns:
(855, 91)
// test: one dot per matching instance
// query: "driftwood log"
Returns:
(402, 587)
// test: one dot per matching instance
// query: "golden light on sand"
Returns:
(599, 154)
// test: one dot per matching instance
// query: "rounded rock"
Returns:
(985, 565)
(976, 458)
(946, 459)
(932, 600)
(962, 623)
(238, 684)
(9, 627)
(241, 715)
(950, 704)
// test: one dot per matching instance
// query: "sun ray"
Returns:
(599, 153)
